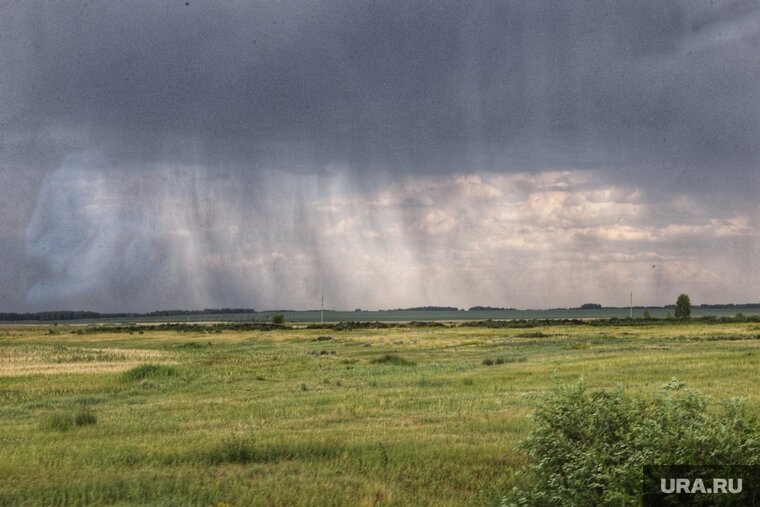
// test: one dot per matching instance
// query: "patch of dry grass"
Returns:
(16, 360)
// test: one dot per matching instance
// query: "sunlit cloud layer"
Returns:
(523, 240)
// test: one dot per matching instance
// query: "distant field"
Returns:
(403, 416)
(406, 316)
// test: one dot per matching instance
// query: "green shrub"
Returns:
(393, 359)
(489, 361)
(60, 421)
(85, 417)
(244, 449)
(323, 352)
(536, 334)
(278, 319)
(233, 449)
(146, 371)
(63, 421)
(588, 448)
(192, 345)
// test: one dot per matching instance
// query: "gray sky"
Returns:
(386, 154)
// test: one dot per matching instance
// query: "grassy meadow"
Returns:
(400, 416)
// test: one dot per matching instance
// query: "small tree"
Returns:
(278, 318)
(683, 307)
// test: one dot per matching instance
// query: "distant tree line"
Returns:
(79, 315)
(205, 311)
(54, 315)
(489, 309)
(727, 306)
(425, 309)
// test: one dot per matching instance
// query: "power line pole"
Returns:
(631, 304)
(322, 312)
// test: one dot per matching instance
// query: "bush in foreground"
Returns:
(588, 448)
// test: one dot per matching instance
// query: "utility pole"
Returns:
(631, 304)
(322, 312)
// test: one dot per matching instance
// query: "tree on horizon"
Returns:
(683, 307)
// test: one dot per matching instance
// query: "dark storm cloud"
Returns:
(421, 87)
(161, 154)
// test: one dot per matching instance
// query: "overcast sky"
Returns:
(168, 154)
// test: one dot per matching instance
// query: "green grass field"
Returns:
(403, 416)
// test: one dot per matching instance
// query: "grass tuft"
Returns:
(146, 371)
(85, 417)
(233, 450)
(192, 345)
(490, 361)
(393, 359)
(60, 421)
(533, 334)
(243, 449)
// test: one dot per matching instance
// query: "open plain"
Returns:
(208, 415)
